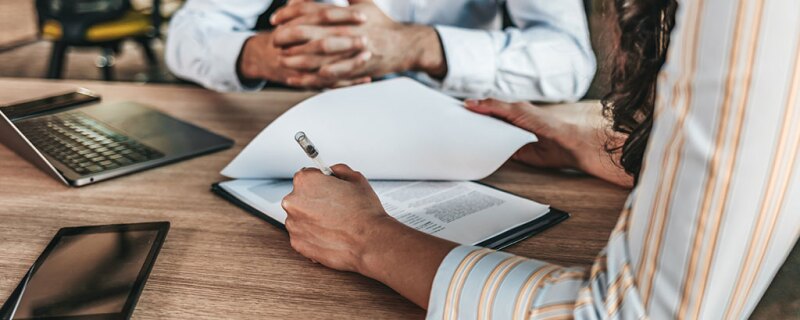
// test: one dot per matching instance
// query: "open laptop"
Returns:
(79, 141)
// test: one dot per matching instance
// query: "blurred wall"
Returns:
(17, 21)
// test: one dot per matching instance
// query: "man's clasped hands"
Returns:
(326, 46)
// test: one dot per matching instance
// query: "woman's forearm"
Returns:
(404, 259)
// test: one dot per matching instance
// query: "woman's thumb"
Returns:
(523, 115)
(344, 172)
(494, 108)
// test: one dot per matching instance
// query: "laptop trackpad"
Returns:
(157, 130)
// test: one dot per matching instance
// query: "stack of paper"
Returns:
(396, 130)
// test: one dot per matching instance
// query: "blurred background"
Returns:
(39, 40)
(105, 43)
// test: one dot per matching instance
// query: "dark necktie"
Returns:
(507, 22)
(263, 23)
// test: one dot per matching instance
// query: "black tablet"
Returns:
(88, 273)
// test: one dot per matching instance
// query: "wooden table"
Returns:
(220, 262)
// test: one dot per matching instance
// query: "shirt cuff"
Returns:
(226, 58)
(471, 276)
(447, 275)
(471, 61)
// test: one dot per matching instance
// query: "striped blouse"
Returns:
(717, 209)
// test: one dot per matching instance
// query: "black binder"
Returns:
(498, 242)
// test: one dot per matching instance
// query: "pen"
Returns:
(312, 152)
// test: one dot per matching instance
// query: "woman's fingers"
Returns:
(327, 217)
(521, 114)
(492, 107)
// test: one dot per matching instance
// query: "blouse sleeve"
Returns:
(715, 212)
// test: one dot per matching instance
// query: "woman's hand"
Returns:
(340, 223)
(571, 136)
(331, 220)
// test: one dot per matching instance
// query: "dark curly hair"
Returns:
(644, 28)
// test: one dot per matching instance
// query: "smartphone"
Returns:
(55, 103)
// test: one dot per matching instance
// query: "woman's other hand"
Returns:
(571, 136)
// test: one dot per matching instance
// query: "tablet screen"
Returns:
(87, 274)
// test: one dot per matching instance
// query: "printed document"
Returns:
(459, 211)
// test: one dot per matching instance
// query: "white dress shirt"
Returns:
(547, 56)
(715, 213)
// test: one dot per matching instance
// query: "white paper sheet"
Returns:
(395, 130)
(461, 211)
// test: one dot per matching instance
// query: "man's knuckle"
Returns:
(324, 16)
(325, 72)
(305, 63)
(295, 243)
(519, 106)
(356, 42)
(286, 204)
(342, 31)
(297, 32)
(279, 34)
(325, 46)
(305, 8)
(359, 63)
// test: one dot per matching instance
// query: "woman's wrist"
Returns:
(373, 245)
(403, 258)
(606, 165)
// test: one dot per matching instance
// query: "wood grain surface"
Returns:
(220, 262)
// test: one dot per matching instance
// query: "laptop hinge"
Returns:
(12, 138)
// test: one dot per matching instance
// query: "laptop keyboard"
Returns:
(83, 144)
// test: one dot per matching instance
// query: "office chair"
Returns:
(96, 23)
